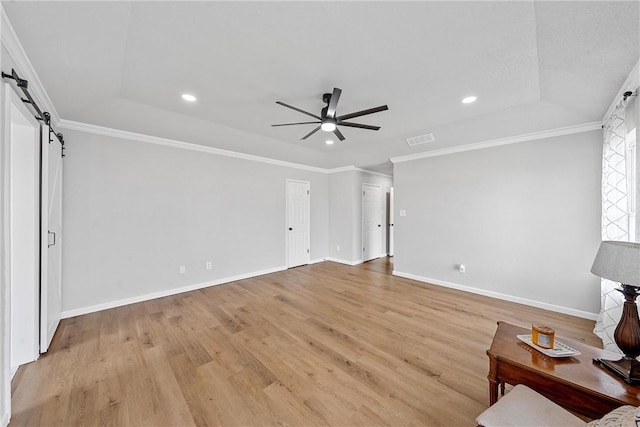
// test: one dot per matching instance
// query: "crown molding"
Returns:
(132, 136)
(631, 83)
(356, 169)
(569, 130)
(116, 133)
(123, 134)
(342, 169)
(10, 41)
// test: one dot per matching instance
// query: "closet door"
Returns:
(51, 256)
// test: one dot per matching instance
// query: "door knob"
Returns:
(290, 229)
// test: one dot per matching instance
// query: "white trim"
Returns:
(123, 134)
(342, 169)
(5, 316)
(24, 67)
(355, 168)
(632, 82)
(569, 130)
(501, 296)
(344, 261)
(317, 261)
(5, 266)
(146, 297)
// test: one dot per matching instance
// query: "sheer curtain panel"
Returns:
(619, 200)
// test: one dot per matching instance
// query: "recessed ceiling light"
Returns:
(189, 97)
(469, 99)
(328, 142)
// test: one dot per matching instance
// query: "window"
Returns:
(632, 185)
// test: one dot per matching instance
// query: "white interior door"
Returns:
(391, 224)
(51, 246)
(298, 223)
(23, 249)
(371, 221)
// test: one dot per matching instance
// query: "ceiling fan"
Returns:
(328, 121)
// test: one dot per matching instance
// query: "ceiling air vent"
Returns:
(420, 139)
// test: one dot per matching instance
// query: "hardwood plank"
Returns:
(323, 344)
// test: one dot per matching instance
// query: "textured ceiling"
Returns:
(533, 65)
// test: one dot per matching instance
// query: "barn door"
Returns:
(51, 247)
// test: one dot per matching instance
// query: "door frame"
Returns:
(308, 228)
(380, 219)
(391, 221)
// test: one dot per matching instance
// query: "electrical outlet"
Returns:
(183, 269)
(338, 248)
(462, 269)
(208, 265)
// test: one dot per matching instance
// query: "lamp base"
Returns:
(627, 368)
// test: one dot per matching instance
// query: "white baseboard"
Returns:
(344, 261)
(146, 297)
(498, 295)
(315, 261)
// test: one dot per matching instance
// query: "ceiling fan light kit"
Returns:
(328, 126)
(328, 121)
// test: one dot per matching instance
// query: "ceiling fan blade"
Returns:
(298, 110)
(299, 123)
(363, 112)
(310, 133)
(338, 134)
(358, 125)
(333, 103)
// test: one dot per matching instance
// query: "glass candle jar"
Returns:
(542, 336)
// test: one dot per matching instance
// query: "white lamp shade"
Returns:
(618, 261)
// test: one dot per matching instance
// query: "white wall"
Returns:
(345, 213)
(523, 218)
(134, 212)
(342, 190)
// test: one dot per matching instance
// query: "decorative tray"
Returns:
(559, 349)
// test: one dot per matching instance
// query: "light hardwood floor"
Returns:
(324, 344)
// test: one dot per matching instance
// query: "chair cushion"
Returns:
(524, 407)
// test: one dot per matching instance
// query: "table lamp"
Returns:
(620, 262)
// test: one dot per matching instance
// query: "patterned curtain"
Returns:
(616, 212)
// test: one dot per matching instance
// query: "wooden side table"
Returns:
(575, 383)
